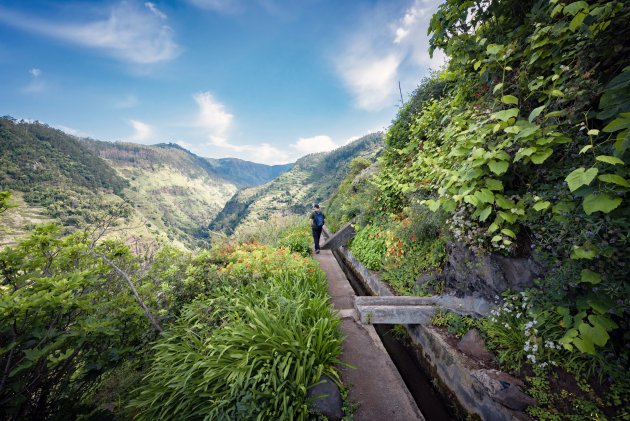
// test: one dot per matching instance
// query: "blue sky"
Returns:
(263, 80)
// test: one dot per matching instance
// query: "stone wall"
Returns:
(467, 274)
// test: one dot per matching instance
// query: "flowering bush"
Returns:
(403, 248)
(519, 335)
(262, 261)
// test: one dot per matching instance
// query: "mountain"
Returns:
(313, 178)
(246, 173)
(35, 155)
(170, 194)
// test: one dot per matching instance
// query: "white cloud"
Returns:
(372, 79)
(36, 84)
(375, 60)
(213, 118)
(320, 143)
(71, 131)
(129, 32)
(153, 8)
(142, 131)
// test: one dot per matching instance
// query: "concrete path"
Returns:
(374, 381)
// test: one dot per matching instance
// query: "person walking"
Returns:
(317, 219)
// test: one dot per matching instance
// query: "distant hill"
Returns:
(246, 173)
(34, 155)
(172, 194)
(313, 178)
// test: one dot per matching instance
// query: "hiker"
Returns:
(317, 219)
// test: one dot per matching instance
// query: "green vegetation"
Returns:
(90, 329)
(456, 324)
(521, 146)
(249, 352)
(66, 318)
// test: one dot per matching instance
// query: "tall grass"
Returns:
(247, 353)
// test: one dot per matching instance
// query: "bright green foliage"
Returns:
(354, 197)
(246, 352)
(33, 156)
(402, 249)
(369, 246)
(5, 198)
(519, 148)
(65, 318)
(297, 240)
(455, 324)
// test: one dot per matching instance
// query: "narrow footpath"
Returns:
(374, 381)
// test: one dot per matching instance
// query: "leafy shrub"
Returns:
(64, 314)
(456, 324)
(369, 246)
(521, 334)
(297, 240)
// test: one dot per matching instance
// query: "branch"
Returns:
(147, 312)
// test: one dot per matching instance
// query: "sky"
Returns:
(263, 80)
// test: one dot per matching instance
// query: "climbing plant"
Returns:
(525, 149)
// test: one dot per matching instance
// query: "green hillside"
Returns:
(313, 178)
(168, 193)
(170, 187)
(34, 156)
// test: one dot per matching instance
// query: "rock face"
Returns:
(504, 389)
(326, 399)
(473, 345)
(487, 275)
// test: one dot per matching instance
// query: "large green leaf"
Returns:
(580, 177)
(536, 112)
(485, 196)
(483, 215)
(595, 334)
(509, 99)
(541, 156)
(613, 160)
(541, 205)
(617, 124)
(583, 252)
(614, 179)
(590, 277)
(493, 184)
(600, 203)
(576, 22)
(498, 167)
(575, 7)
(505, 115)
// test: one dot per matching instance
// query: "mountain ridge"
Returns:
(313, 178)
